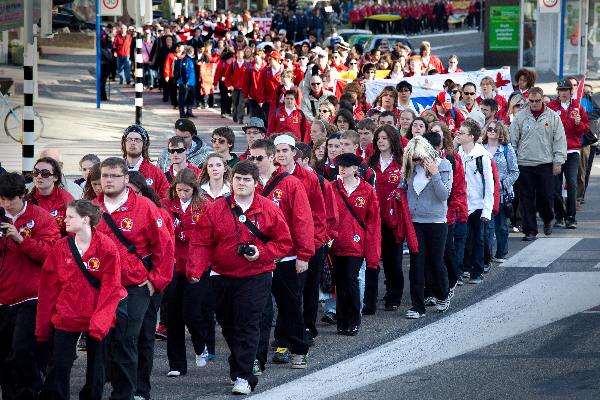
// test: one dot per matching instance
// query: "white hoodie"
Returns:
(475, 199)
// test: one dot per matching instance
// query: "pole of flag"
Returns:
(28, 89)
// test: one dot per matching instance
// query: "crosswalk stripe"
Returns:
(541, 253)
(531, 304)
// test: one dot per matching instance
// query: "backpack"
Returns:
(479, 165)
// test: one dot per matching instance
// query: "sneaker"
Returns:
(82, 343)
(430, 302)
(309, 338)
(476, 280)
(466, 275)
(486, 268)
(548, 227)
(173, 374)
(298, 361)
(413, 314)
(443, 305)
(391, 307)
(282, 356)
(570, 223)
(139, 398)
(451, 292)
(499, 260)
(460, 281)
(241, 386)
(559, 223)
(201, 359)
(329, 318)
(161, 332)
(256, 370)
(529, 238)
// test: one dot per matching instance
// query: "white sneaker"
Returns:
(412, 314)
(172, 374)
(202, 359)
(430, 301)
(499, 260)
(241, 386)
(443, 305)
(138, 398)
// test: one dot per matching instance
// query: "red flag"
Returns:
(579, 91)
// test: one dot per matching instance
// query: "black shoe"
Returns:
(548, 227)
(342, 331)
(391, 307)
(368, 311)
(329, 318)
(308, 338)
(570, 223)
(190, 115)
(529, 237)
(559, 223)
(353, 331)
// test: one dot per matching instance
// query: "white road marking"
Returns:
(540, 253)
(533, 303)
(445, 34)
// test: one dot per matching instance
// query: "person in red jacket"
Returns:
(576, 124)
(186, 302)
(170, 85)
(241, 263)
(135, 143)
(359, 239)
(27, 236)
(237, 81)
(289, 194)
(289, 118)
(223, 65)
(285, 155)
(271, 79)
(430, 61)
(386, 161)
(143, 239)
(46, 192)
(122, 45)
(255, 89)
(72, 302)
(487, 86)
(442, 107)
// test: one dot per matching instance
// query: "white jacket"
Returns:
(475, 190)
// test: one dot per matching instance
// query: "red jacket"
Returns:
(452, 118)
(56, 204)
(68, 302)
(296, 123)
(184, 222)
(333, 215)
(22, 263)
(458, 210)
(155, 178)
(317, 203)
(170, 174)
(168, 67)
(255, 89)
(289, 194)
(386, 181)
(366, 153)
(397, 218)
(143, 224)
(216, 238)
(222, 67)
(352, 239)
(270, 83)
(238, 77)
(502, 106)
(122, 45)
(572, 131)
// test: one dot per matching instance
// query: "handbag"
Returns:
(588, 139)
(326, 283)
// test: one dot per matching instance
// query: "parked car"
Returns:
(376, 40)
(66, 18)
(360, 39)
(346, 33)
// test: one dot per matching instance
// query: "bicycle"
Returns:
(12, 120)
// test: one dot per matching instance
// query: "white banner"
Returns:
(549, 6)
(426, 88)
(111, 8)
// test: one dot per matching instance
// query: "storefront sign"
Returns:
(549, 6)
(504, 28)
(11, 14)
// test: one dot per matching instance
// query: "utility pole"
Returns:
(139, 62)
(28, 89)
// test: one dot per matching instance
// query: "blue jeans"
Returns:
(460, 240)
(488, 240)
(501, 228)
(124, 69)
(473, 261)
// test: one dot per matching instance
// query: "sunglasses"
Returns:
(535, 101)
(218, 140)
(454, 92)
(353, 63)
(257, 158)
(178, 151)
(316, 84)
(469, 93)
(491, 129)
(324, 111)
(44, 173)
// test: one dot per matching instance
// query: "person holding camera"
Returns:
(27, 236)
(240, 238)
(80, 289)
(288, 193)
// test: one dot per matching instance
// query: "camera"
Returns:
(246, 249)
(3, 218)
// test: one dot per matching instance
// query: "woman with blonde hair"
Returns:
(516, 102)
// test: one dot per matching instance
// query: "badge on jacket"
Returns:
(356, 238)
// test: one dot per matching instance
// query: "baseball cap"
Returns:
(185, 125)
(563, 84)
(444, 99)
(275, 55)
(255, 122)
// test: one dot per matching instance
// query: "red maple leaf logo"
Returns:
(501, 82)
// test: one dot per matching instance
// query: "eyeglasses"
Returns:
(454, 92)
(315, 84)
(325, 111)
(469, 93)
(535, 101)
(257, 158)
(520, 105)
(178, 151)
(134, 140)
(111, 176)
(218, 140)
(44, 173)
(491, 129)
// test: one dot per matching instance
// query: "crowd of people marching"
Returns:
(330, 190)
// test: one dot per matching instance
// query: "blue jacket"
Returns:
(187, 75)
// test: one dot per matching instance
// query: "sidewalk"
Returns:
(73, 124)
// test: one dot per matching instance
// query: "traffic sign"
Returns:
(111, 8)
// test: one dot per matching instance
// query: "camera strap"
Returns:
(350, 209)
(269, 188)
(95, 282)
(236, 211)
(124, 241)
